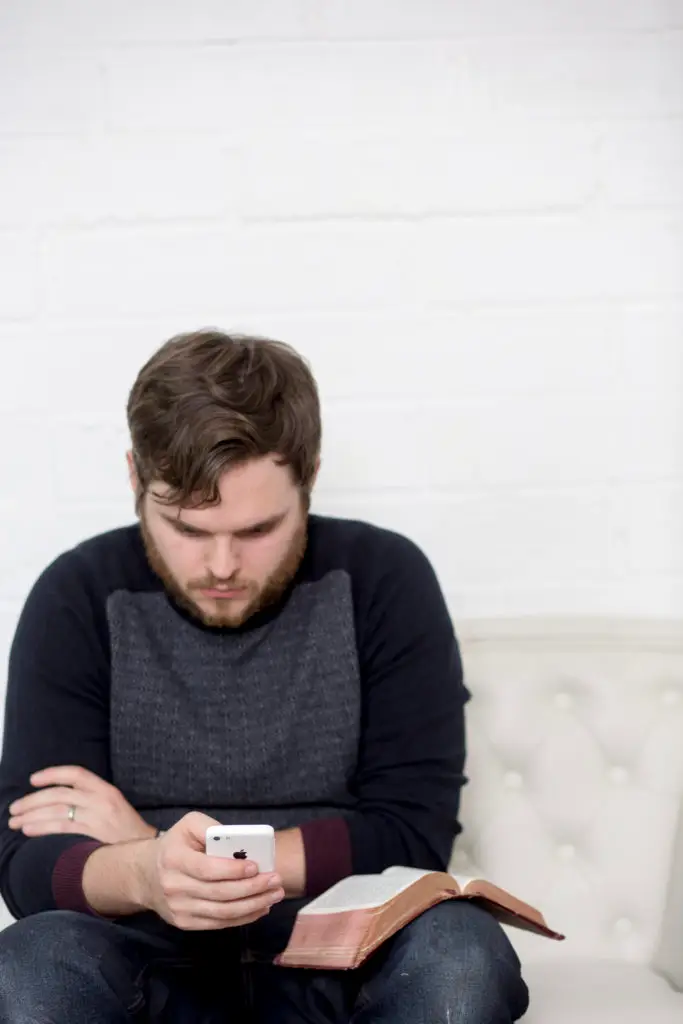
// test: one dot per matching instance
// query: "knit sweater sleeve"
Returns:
(56, 713)
(412, 752)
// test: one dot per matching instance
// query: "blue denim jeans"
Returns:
(453, 964)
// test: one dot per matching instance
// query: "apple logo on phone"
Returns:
(240, 854)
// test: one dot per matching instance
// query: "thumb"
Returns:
(194, 826)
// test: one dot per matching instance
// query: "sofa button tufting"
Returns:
(513, 780)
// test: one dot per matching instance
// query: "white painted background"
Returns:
(468, 215)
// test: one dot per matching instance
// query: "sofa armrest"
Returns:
(668, 959)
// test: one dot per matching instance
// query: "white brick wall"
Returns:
(468, 215)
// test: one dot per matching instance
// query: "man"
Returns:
(231, 658)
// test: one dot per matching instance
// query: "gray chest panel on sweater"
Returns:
(265, 718)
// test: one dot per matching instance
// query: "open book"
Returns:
(343, 926)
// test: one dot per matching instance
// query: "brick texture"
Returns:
(467, 216)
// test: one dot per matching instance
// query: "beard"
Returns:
(258, 598)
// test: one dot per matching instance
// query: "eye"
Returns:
(187, 531)
(259, 531)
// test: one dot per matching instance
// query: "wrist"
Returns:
(150, 832)
(141, 867)
(116, 877)
(290, 861)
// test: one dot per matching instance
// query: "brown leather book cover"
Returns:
(343, 926)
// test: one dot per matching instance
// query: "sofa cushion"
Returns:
(599, 992)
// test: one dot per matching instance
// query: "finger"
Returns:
(55, 826)
(230, 911)
(61, 795)
(208, 924)
(50, 813)
(193, 827)
(222, 892)
(68, 775)
(213, 869)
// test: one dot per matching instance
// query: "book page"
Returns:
(361, 892)
(405, 873)
(464, 880)
(402, 874)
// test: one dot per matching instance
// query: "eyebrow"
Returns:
(245, 531)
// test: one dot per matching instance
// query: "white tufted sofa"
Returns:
(575, 803)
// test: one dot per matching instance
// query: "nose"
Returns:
(222, 562)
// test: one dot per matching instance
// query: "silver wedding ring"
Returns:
(71, 813)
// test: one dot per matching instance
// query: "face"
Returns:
(225, 562)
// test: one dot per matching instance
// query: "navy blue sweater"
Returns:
(340, 709)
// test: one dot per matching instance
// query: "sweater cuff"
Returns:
(67, 878)
(327, 849)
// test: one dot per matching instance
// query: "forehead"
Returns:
(249, 493)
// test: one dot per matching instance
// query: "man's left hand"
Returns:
(99, 810)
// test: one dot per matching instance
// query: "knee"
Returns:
(34, 941)
(37, 956)
(458, 955)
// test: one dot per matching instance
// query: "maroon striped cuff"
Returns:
(327, 848)
(67, 878)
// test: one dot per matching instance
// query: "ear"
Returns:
(132, 472)
(315, 472)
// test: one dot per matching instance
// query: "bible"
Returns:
(341, 928)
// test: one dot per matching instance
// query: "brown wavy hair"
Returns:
(207, 401)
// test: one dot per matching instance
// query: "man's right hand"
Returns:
(189, 889)
(174, 877)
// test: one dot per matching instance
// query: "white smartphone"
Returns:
(243, 842)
